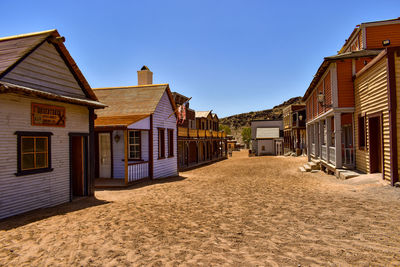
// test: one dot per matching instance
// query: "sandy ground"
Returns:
(242, 212)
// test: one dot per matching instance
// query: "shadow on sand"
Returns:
(44, 213)
(144, 183)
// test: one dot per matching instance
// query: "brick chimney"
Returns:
(145, 76)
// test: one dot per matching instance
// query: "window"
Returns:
(361, 132)
(170, 142)
(33, 150)
(263, 148)
(134, 146)
(161, 143)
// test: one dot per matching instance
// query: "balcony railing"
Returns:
(138, 170)
(332, 155)
(323, 152)
(348, 156)
(313, 149)
(197, 133)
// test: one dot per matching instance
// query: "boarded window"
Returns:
(161, 143)
(134, 145)
(170, 142)
(33, 152)
(361, 132)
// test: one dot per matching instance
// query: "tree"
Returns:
(246, 135)
(225, 128)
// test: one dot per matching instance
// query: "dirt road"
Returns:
(242, 211)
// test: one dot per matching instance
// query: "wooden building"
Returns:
(46, 124)
(200, 142)
(294, 127)
(136, 134)
(377, 116)
(338, 100)
(267, 137)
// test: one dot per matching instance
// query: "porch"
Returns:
(331, 139)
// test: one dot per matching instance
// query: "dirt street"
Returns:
(241, 212)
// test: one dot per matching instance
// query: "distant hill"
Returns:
(238, 121)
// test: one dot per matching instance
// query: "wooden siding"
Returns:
(376, 34)
(142, 124)
(345, 83)
(45, 70)
(320, 90)
(28, 192)
(397, 72)
(371, 97)
(167, 166)
(328, 90)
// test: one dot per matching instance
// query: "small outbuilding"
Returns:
(136, 136)
(46, 124)
(267, 137)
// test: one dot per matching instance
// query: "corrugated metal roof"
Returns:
(202, 114)
(263, 133)
(131, 100)
(119, 120)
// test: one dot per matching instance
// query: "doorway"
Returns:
(105, 155)
(375, 144)
(79, 165)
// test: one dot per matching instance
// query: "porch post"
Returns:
(198, 151)
(321, 137)
(126, 155)
(308, 141)
(353, 151)
(338, 140)
(328, 137)
(316, 139)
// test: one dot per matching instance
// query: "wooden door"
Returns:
(104, 155)
(375, 144)
(78, 165)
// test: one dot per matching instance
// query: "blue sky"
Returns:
(230, 56)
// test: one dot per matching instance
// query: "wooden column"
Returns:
(308, 141)
(338, 140)
(126, 155)
(328, 137)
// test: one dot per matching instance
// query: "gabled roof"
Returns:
(265, 133)
(328, 60)
(131, 100)
(14, 49)
(202, 114)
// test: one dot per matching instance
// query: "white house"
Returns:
(267, 137)
(46, 124)
(136, 133)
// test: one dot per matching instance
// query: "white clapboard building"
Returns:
(136, 136)
(267, 137)
(46, 124)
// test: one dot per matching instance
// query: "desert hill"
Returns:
(238, 121)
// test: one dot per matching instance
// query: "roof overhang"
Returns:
(22, 90)
(119, 121)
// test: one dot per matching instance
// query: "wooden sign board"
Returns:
(47, 115)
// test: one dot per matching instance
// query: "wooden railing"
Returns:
(348, 156)
(138, 170)
(313, 149)
(332, 155)
(197, 133)
(324, 152)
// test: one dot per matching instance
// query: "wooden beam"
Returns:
(126, 156)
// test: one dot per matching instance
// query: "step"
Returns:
(314, 171)
(316, 161)
(302, 169)
(307, 167)
(313, 165)
(348, 174)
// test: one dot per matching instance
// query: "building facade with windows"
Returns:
(46, 124)
(294, 124)
(136, 135)
(348, 100)
(199, 139)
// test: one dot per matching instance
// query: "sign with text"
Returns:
(47, 115)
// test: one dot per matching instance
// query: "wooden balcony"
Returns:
(208, 133)
(193, 133)
(215, 134)
(202, 133)
(182, 132)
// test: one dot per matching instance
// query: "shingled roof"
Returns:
(129, 104)
(202, 114)
(14, 49)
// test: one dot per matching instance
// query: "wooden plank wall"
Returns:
(371, 97)
(45, 70)
(397, 71)
(167, 166)
(375, 35)
(28, 192)
(345, 83)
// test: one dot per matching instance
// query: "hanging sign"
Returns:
(47, 115)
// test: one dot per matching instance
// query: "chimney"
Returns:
(145, 76)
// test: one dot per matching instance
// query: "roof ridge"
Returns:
(26, 35)
(131, 86)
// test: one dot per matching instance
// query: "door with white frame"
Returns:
(105, 155)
